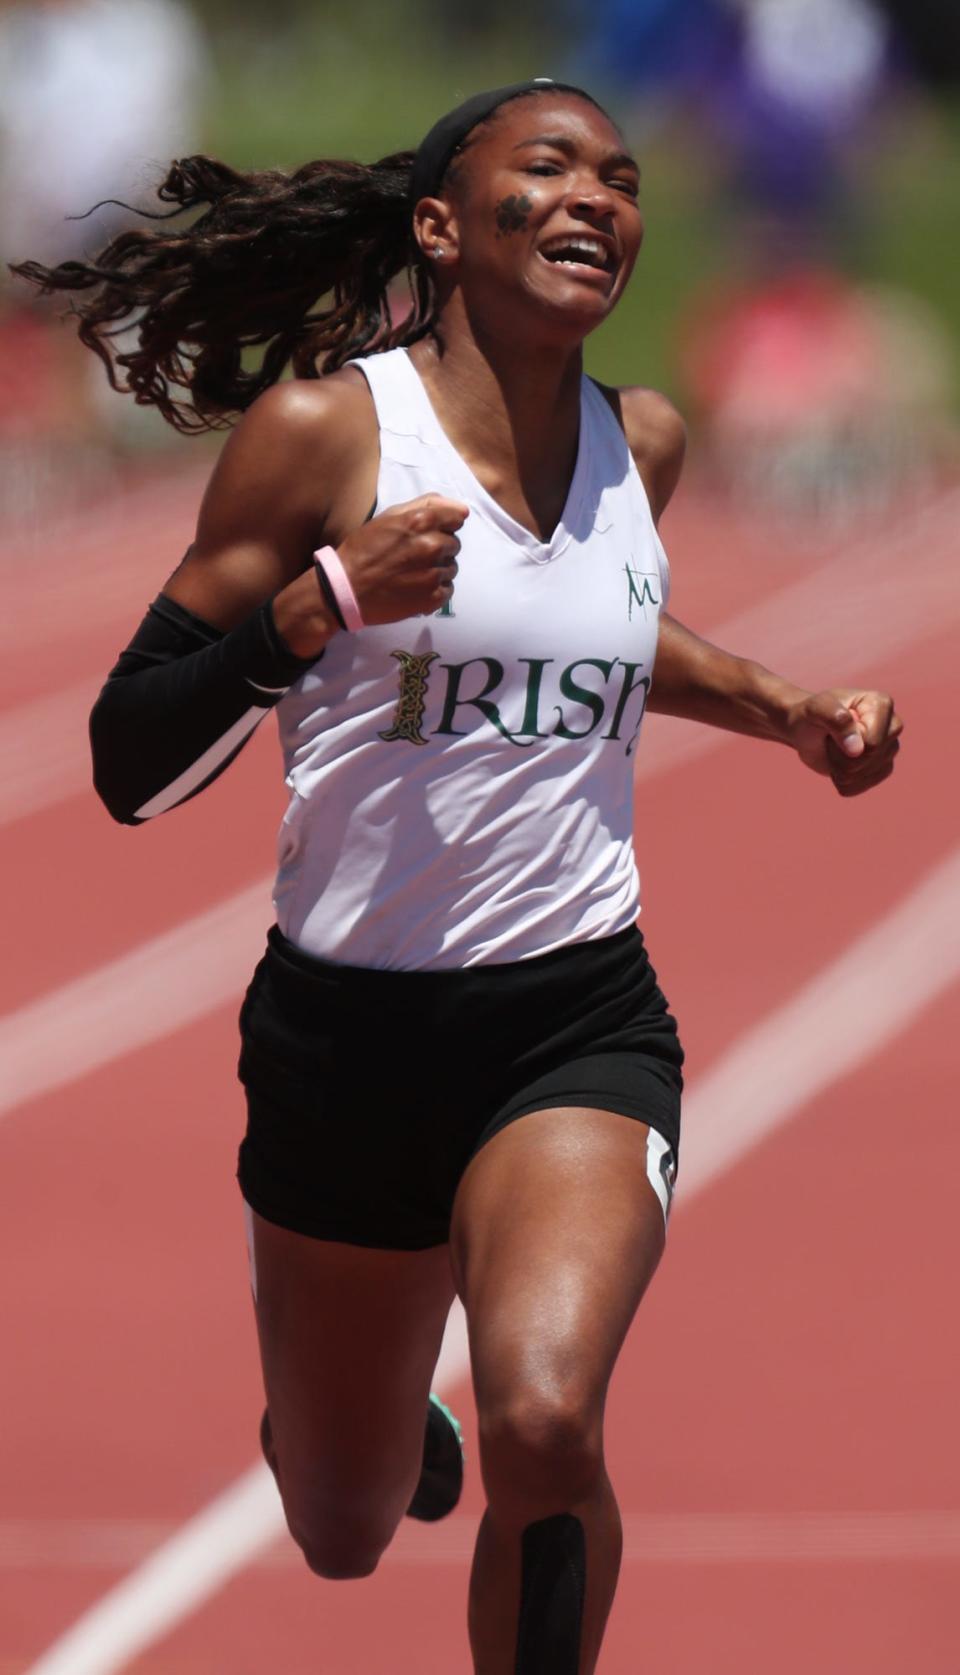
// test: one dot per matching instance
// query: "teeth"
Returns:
(587, 246)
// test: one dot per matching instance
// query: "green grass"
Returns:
(321, 91)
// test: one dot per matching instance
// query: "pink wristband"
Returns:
(329, 561)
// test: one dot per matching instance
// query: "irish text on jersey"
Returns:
(593, 693)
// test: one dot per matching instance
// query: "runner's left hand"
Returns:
(850, 735)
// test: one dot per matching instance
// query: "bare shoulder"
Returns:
(298, 471)
(305, 441)
(657, 438)
(311, 408)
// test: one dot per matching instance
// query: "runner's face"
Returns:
(547, 208)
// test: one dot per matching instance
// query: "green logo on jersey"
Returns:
(411, 703)
(472, 685)
(639, 589)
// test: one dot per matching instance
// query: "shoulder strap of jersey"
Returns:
(398, 395)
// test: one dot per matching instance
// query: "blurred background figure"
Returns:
(795, 295)
(817, 396)
(95, 95)
(807, 75)
(819, 399)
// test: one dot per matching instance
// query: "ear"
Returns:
(436, 231)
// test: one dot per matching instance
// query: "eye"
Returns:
(630, 188)
(544, 168)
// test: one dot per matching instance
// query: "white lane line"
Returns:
(919, 1535)
(228, 1534)
(165, 983)
(173, 1581)
(44, 750)
(841, 621)
(865, 999)
(855, 1007)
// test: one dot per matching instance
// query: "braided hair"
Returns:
(298, 263)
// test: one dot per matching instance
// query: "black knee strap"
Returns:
(554, 1576)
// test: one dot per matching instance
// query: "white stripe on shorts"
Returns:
(661, 1169)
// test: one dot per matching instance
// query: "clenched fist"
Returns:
(400, 564)
(403, 563)
(852, 736)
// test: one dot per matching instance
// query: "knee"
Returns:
(541, 1451)
(338, 1564)
(340, 1552)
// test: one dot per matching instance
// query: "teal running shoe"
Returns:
(441, 1478)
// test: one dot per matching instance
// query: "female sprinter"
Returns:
(461, 1075)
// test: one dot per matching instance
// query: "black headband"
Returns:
(435, 152)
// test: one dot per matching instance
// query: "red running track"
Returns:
(782, 1425)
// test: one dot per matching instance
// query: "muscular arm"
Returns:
(244, 615)
(698, 681)
(210, 659)
(846, 733)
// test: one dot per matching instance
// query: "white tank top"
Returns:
(461, 784)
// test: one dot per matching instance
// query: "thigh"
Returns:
(349, 1338)
(556, 1233)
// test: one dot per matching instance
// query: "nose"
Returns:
(590, 196)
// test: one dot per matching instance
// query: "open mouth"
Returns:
(579, 253)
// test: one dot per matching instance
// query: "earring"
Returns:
(437, 252)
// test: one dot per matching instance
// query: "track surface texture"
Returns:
(782, 1425)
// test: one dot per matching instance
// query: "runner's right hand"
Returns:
(400, 564)
(403, 563)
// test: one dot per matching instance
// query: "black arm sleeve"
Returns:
(179, 704)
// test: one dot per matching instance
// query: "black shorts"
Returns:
(368, 1092)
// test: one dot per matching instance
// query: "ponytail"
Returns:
(251, 270)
